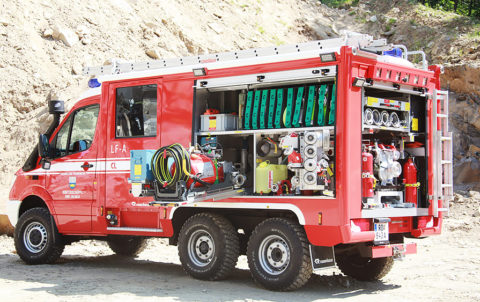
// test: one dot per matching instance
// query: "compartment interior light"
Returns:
(199, 72)
(328, 57)
(358, 82)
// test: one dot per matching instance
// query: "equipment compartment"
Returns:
(284, 136)
(394, 166)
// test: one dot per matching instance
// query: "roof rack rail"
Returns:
(348, 39)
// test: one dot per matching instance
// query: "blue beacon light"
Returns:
(94, 83)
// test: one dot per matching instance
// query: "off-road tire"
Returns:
(296, 269)
(36, 237)
(208, 247)
(364, 269)
(129, 246)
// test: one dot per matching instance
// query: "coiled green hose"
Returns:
(160, 167)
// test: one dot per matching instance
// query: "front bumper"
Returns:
(13, 208)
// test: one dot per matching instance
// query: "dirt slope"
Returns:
(44, 45)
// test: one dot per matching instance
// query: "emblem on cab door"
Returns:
(72, 182)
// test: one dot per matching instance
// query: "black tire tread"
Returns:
(376, 269)
(57, 247)
(232, 246)
(306, 268)
(128, 246)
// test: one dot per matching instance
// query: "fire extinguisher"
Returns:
(368, 180)
(410, 181)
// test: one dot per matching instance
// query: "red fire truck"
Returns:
(300, 157)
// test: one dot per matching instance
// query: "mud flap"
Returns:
(322, 257)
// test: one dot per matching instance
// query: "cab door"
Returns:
(134, 115)
(71, 177)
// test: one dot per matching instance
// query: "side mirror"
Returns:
(43, 146)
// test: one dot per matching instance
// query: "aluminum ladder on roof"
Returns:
(442, 154)
(323, 46)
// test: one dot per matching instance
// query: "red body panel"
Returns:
(108, 185)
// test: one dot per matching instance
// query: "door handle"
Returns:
(86, 166)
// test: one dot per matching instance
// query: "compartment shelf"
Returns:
(262, 131)
(367, 128)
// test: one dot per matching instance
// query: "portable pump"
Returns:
(172, 172)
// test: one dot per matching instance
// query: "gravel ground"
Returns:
(446, 268)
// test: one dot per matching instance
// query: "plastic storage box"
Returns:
(267, 174)
(218, 122)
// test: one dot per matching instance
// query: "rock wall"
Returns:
(464, 109)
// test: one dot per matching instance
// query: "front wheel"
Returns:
(208, 246)
(36, 237)
(278, 255)
(364, 269)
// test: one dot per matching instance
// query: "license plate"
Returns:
(381, 231)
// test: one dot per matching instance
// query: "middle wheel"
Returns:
(278, 255)
(208, 246)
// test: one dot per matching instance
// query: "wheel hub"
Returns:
(35, 237)
(201, 248)
(274, 254)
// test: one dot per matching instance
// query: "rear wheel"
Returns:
(129, 246)
(36, 237)
(364, 269)
(208, 246)
(278, 255)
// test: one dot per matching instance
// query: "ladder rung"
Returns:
(446, 162)
(442, 115)
(446, 138)
(446, 185)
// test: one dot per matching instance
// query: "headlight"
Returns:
(12, 182)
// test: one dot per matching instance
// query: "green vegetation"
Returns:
(474, 34)
(277, 41)
(340, 3)
(470, 8)
(391, 21)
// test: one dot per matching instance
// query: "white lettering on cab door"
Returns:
(116, 148)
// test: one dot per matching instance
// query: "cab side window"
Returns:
(77, 132)
(136, 111)
(83, 128)
(61, 140)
